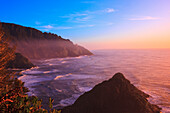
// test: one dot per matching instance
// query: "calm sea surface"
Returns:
(149, 70)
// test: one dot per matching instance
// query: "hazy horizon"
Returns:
(96, 24)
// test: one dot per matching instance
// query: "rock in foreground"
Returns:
(117, 95)
(20, 62)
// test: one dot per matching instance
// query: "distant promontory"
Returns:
(35, 44)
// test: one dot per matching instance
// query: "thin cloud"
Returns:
(110, 23)
(74, 15)
(88, 2)
(109, 10)
(81, 26)
(47, 27)
(82, 19)
(63, 27)
(50, 27)
(144, 18)
(86, 15)
(37, 23)
(78, 17)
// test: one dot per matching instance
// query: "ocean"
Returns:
(65, 79)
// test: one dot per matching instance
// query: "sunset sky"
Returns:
(96, 24)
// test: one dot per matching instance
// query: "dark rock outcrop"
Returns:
(117, 95)
(35, 44)
(19, 62)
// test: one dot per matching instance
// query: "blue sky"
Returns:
(95, 24)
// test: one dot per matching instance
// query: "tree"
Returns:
(13, 97)
(11, 89)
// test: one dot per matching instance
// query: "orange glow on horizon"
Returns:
(154, 37)
(130, 43)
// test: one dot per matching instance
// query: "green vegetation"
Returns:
(13, 97)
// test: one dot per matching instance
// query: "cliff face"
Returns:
(116, 95)
(35, 44)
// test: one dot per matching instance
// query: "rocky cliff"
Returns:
(20, 62)
(117, 95)
(35, 44)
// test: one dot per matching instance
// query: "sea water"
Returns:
(148, 70)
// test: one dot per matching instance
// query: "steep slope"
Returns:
(35, 44)
(20, 62)
(117, 95)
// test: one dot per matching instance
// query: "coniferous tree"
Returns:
(13, 97)
(10, 87)
(6, 77)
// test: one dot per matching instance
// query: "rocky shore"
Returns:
(20, 62)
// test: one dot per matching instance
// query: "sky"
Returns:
(96, 24)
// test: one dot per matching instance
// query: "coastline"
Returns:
(65, 65)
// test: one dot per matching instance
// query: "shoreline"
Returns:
(61, 92)
(66, 62)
